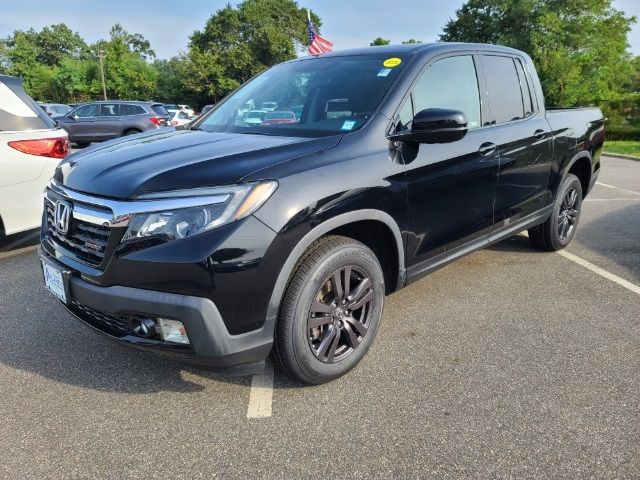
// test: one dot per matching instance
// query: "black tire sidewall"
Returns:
(353, 254)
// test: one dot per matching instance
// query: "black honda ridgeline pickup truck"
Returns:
(278, 221)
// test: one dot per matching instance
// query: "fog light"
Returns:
(172, 331)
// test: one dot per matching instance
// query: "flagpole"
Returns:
(308, 15)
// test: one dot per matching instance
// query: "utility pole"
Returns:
(101, 55)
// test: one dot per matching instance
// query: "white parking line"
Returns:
(600, 271)
(261, 394)
(617, 188)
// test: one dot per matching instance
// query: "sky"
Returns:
(167, 24)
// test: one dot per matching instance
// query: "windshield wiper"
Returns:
(260, 132)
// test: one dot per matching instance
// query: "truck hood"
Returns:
(178, 159)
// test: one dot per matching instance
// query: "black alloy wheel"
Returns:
(560, 227)
(340, 314)
(568, 217)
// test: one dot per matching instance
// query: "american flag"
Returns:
(317, 44)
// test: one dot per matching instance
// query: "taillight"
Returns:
(174, 122)
(43, 147)
(158, 120)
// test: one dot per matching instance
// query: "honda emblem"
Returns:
(62, 216)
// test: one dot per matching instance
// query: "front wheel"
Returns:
(558, 230)
(331, 311)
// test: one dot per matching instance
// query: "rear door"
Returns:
(523, 133)
(451, 186)
(109, 123)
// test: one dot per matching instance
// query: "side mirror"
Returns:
(435, 125)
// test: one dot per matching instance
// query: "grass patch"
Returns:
(625, 147)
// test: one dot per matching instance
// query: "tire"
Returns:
(558, 230)
(131, 131)
(322, 334)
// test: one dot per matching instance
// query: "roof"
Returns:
(135, 102)
(417, 48)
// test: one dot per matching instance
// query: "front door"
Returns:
(81, 128)
(451, 186)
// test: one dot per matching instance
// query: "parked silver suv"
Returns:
(99, 121)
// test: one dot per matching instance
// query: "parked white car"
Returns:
(187, 109)
(254, 117)
(179, 117)
(31, 146)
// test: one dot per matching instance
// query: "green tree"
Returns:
(58, 42)
(135, 42)
(240, 42)
(170, 87)
(379, 42)
(127, 74)
(74, 78)
(412, 40)
(579, 46)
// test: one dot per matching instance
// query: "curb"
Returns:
(619, 155)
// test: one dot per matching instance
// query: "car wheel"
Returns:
(131, 131)
(560, 227)
(331, 311)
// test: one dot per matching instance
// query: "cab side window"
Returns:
(109, 110)
(87, 111)
(505, 93)
(450, 83)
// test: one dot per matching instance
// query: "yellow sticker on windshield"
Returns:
(392, 62)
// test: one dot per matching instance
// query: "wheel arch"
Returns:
(130, 129)
(581, 166)
(340, 224)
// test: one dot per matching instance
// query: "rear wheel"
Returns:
(558, 230)
(132, 131)
(331, 311)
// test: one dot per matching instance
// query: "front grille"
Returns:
(119, 325)
(86, 241)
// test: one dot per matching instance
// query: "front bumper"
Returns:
(211, 344)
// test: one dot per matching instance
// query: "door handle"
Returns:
(539, 134)
(487, 148)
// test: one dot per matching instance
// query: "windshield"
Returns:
(318, 97)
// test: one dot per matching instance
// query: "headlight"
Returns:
(220, 206)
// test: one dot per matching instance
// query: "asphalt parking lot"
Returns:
(510, 363)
